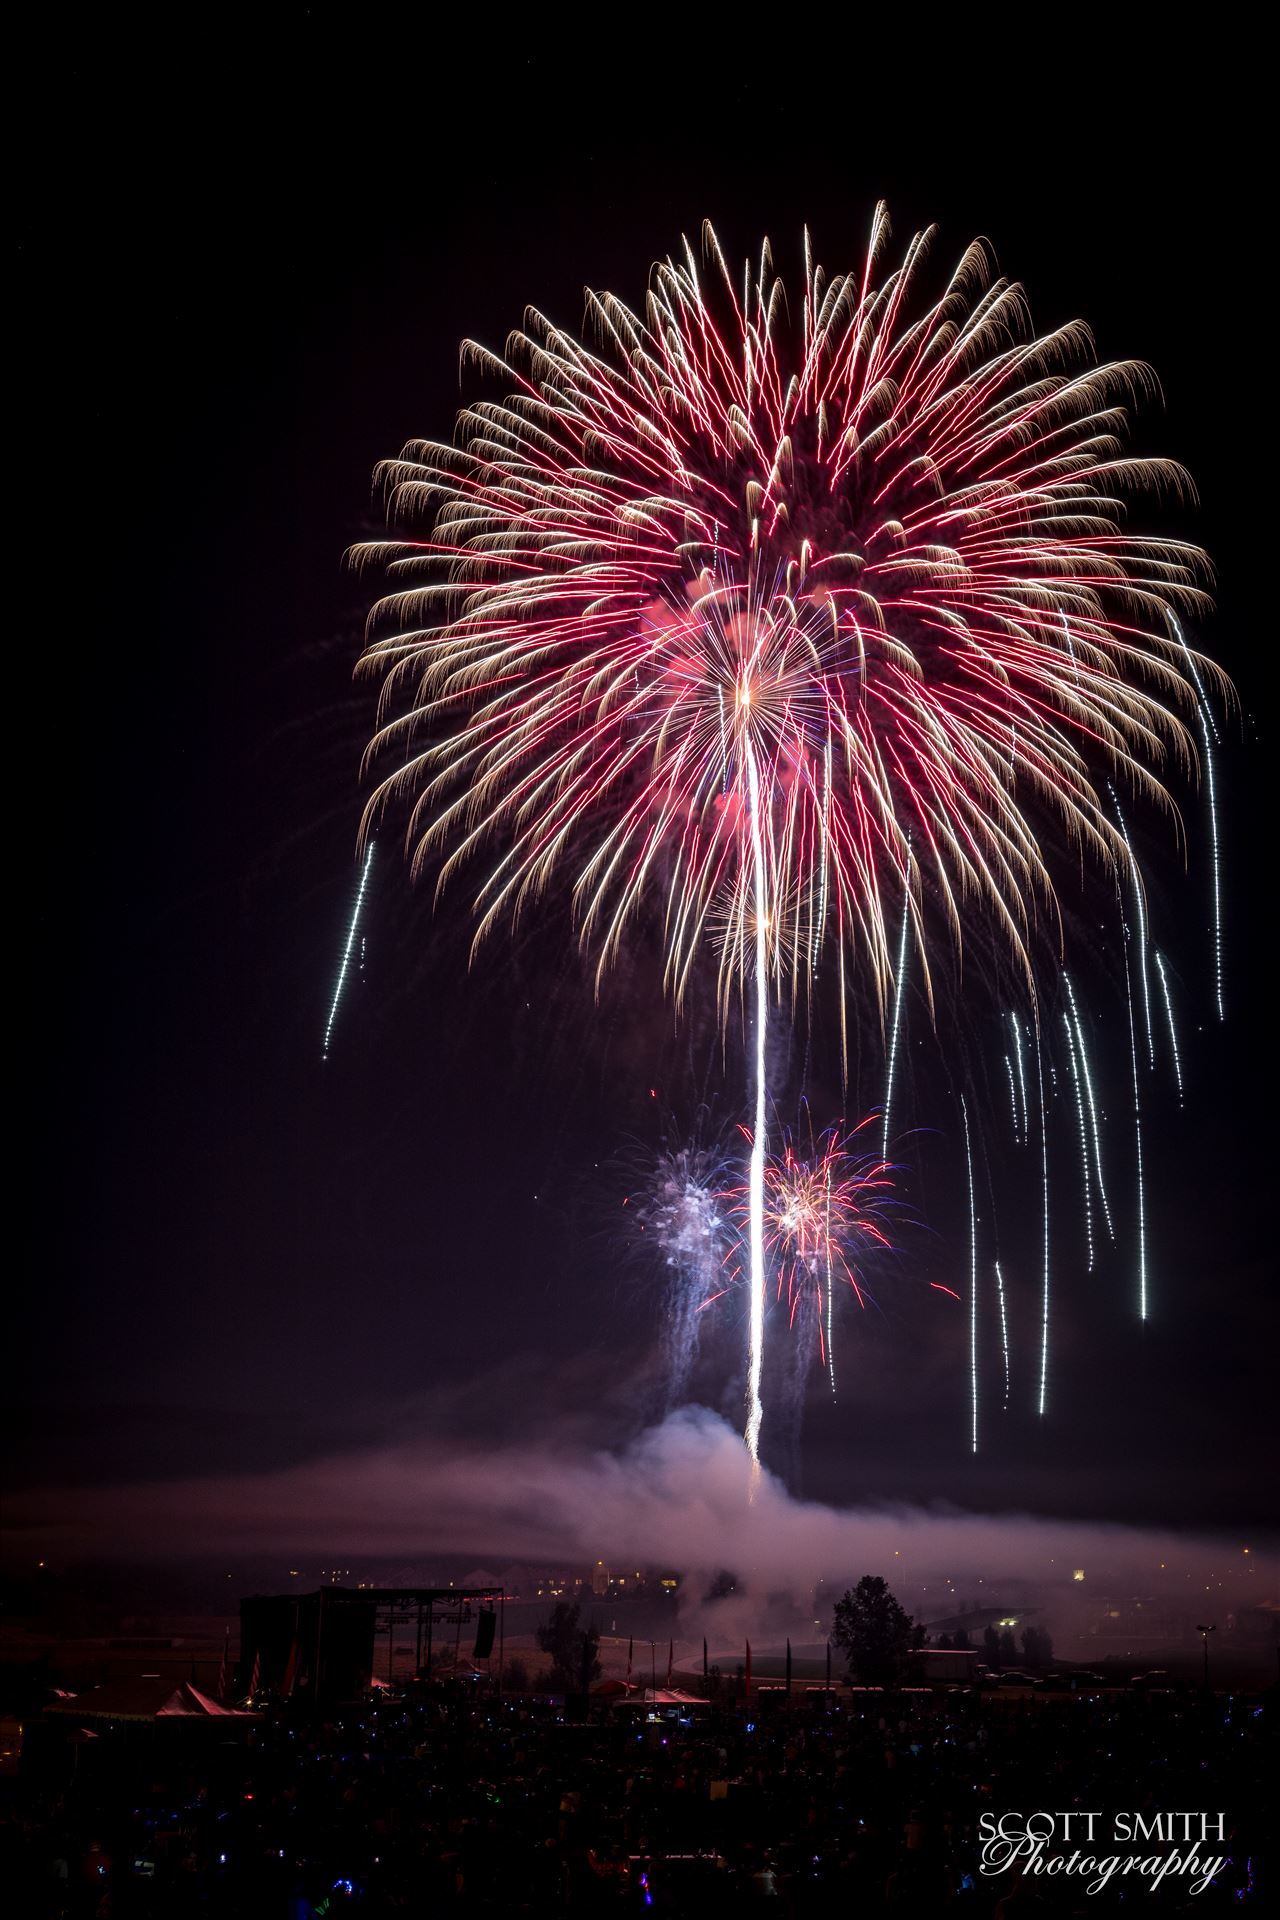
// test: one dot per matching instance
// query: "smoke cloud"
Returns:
(678, 1496)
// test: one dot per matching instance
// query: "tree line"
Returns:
(876, 1635)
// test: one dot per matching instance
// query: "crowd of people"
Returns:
(458, 1801)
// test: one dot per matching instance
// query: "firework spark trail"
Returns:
(1077, 1083)
(1173, 1031)
(1208, 724)
(973, 1276)
(1013, 1100)
(1022, 1078)
(1217, 872)
(831, 1291)
(1004, 1332)
(900, 979)
(1193, 668)
(1209, 736)
(1139, 901)
(1043, 1399)
(821, 919)
(346, 951)
(755, 1407)
(1137, 1134)
(1094, 1128)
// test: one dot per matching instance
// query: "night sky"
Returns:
(244, 267)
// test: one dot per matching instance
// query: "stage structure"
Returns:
(333, 1644)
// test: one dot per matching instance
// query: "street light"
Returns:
(1204, 1633)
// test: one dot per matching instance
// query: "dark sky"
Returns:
(244, 266)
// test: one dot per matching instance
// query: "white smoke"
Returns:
(679, 1496)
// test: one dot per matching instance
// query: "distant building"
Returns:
(1258, 1626)
(1151, 1621)
(975, 1620)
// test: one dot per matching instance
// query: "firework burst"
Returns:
(825, 1210)
(679, 1218)
(804, 629)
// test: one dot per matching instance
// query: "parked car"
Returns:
(1054, 1683)
(1011, 1677)
(1157, 1681)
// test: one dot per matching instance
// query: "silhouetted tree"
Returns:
(963, 1641)
(872, 1631)
(944, 1640)
(724, 1584)
(1037, 1647)
(1008, 1648)
(991, 1646)
(573, 1648)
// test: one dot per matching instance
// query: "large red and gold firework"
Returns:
(876, 561)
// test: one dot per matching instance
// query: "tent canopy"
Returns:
(661, 1697)
(146, 1700)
